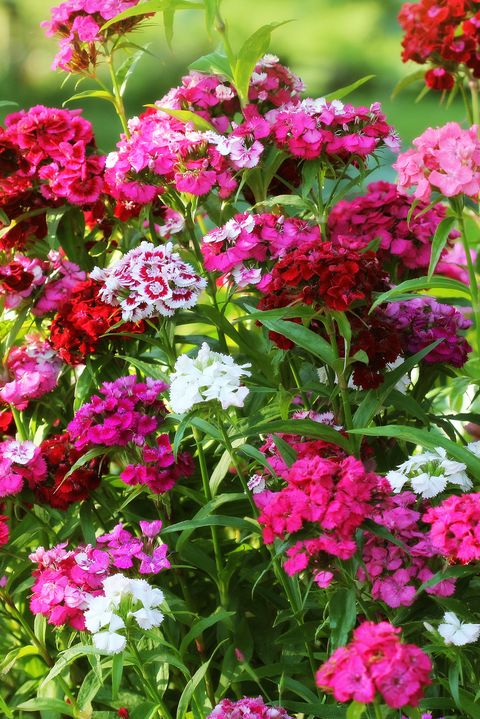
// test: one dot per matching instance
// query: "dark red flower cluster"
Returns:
(445, 33)
(77, 328)
(323, 274)
(57, 490)
(379, 338)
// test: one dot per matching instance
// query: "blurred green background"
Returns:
(330, 43)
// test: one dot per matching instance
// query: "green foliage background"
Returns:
(329, 43)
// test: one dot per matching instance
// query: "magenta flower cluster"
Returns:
(66, 579)
(455, 527)
(383, 214)
(422, 321)
(396, 571)
(247, 708)
(375, 663)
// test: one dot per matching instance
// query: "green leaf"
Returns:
(91, 454)
(250, 53)
(407, 81)
(425, 438)
(127, 68)
(152, 6)
(219, 615)
(95, 94)
(68, 656)
(117, 673)
(71, 236)
(187, 116)
(39, 704)
(303, 427)
(8, 103)
(214, 520)
(344, 91)
(192, 684)
(89, 689)
(438, 243)
(302, 337)
(356, 710)
(215, 63)
(421, 283)
(342, 615)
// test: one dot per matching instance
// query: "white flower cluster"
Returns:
(429, 473)
(208, 376)
(103, 620)
(456, 632)
(149, 281)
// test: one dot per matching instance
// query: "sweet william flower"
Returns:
(456, 632)
(208, 376)
(429, 473)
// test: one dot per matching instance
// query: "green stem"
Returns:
(458, 209)
(474, 93)
(119, 106)
(342, 381)
(378, 711)
(19, 423)
(163, 711)
(217, 549)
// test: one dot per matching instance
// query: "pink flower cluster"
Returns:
(63, 277)
(78, 23)
(66, 579)
(444, 159)
(382, 213)
(33, 370)
(273, 83)
(455, 530)
(397, 570)
(57, 147)
(126, 414)
(318, 127)
(149, 281)
(163, 151)
(247, 708)
(422, 321)
(376, 661)
(331, 498)
(240, 248)
(20, 463)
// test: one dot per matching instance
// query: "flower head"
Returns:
(456, 632)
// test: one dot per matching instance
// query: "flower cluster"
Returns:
(209, 376)
(63, 277)
(455, 529)
(376, 662)
(422, 321)
(82, 320)
(247, 708)
(103, 615)
(443, 33)
(149, 281)
(241, 248)
(454, 631)
(397, 569)
(57, 489)
(78, 23)
(19, 278)
(428, 474)
(66, 581)
(444, 159)
(383, 214)
(316, 127)
(33, 370)
(20, 463)
(331, 497)
(57, 148)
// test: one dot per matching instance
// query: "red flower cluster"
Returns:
(445, 33)
(323, 274)
(77, 328)
(57, 490)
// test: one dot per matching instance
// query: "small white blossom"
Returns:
(147, 618)
(456, 632)
(98, 614)
(429, 473)
(110, 642)
(208, 376)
